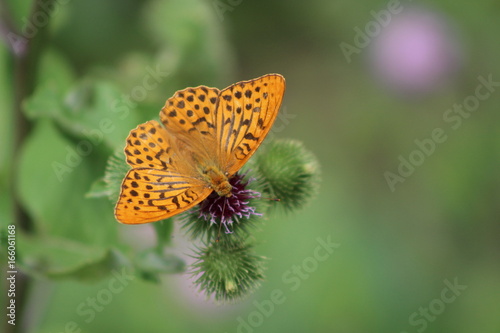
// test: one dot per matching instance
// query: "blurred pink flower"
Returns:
(416, 53)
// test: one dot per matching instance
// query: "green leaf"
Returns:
(53, 177)
(54, 77)
(98, 189)
(99, 114)
(58, 258)
(55, 69)
(191, 28)
(144, 79)
(150, 264)
(95, 112)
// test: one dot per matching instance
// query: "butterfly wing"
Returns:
(189, 116)
(149, 145)
(150, 195)
(154, 189)
(245, 113)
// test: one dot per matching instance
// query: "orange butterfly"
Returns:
(208, 136)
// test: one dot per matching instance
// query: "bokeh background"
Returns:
(367, 81)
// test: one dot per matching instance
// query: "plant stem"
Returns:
(26, 52)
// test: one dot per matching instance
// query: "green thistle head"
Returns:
(228, 270)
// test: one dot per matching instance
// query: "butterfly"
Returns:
(207, 136)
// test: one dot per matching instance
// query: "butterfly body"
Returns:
(207, 136)
(218, 181)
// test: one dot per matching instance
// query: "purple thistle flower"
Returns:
(418, 52)
(229, 209)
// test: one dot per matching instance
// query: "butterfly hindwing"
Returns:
(149, 195)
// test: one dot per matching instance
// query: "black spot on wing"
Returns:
(250, 136)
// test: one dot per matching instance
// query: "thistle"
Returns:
(227, 270)
(226, 266)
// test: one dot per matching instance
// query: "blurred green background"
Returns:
(368, 83)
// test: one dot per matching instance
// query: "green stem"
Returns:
(8, 29)
(26, 53)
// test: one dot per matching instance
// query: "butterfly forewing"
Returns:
(149, 145)
(245, 114)
(190, 116)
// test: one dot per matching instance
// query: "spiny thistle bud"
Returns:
(227, 270)
(288, 172)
